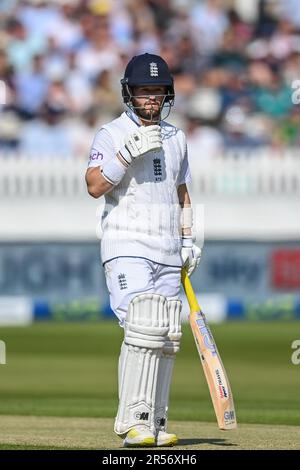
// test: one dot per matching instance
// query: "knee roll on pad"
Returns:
(147, 321)
(174, 334)
(146, 333)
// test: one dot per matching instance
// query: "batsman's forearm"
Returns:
(97, 185)
(101, 180)
(185, 203)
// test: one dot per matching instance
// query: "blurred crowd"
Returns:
(234, 63)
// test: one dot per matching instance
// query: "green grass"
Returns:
(37, 432)
(71, 370)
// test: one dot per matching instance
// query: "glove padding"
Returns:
(145, 139)
(191, 256)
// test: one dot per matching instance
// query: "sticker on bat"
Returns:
(207, 337)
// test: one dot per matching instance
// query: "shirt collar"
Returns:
(133, 117)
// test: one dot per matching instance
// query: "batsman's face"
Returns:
(148, 100)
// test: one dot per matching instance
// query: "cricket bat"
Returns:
(214, 370)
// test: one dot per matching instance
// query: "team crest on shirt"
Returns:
(122, 281)
(157, 169)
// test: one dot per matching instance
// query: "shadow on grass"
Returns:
(213, 441)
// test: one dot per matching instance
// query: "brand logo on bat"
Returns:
(207, 338)
(222, 387)
(229, 416)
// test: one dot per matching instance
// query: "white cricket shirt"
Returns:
(142, 214)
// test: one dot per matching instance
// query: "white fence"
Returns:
(258, 174)
(262, 174)
(249, 196)
(43, 178)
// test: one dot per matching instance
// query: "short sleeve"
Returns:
(184, 173)
(102, 149)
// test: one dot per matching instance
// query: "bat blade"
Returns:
(213, 367)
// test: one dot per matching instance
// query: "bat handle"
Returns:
(189, 291)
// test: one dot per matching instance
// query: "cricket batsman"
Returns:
(139, 163)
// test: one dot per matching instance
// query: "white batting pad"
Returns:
(166, 364)
(146, 330)
(174, 334)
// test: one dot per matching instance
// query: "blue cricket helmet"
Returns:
(147, 69)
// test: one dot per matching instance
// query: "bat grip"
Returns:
(189, 291)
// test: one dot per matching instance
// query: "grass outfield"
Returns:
(37, 432)
(70, 370)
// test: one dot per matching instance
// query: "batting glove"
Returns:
(190, 255)
(142, 141)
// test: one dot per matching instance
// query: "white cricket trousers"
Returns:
(127, 277)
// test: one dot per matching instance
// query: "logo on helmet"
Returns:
(153, 69)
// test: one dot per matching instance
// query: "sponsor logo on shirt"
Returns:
(95, 155)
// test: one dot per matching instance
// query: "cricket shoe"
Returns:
(164, 439)
(139, 436)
